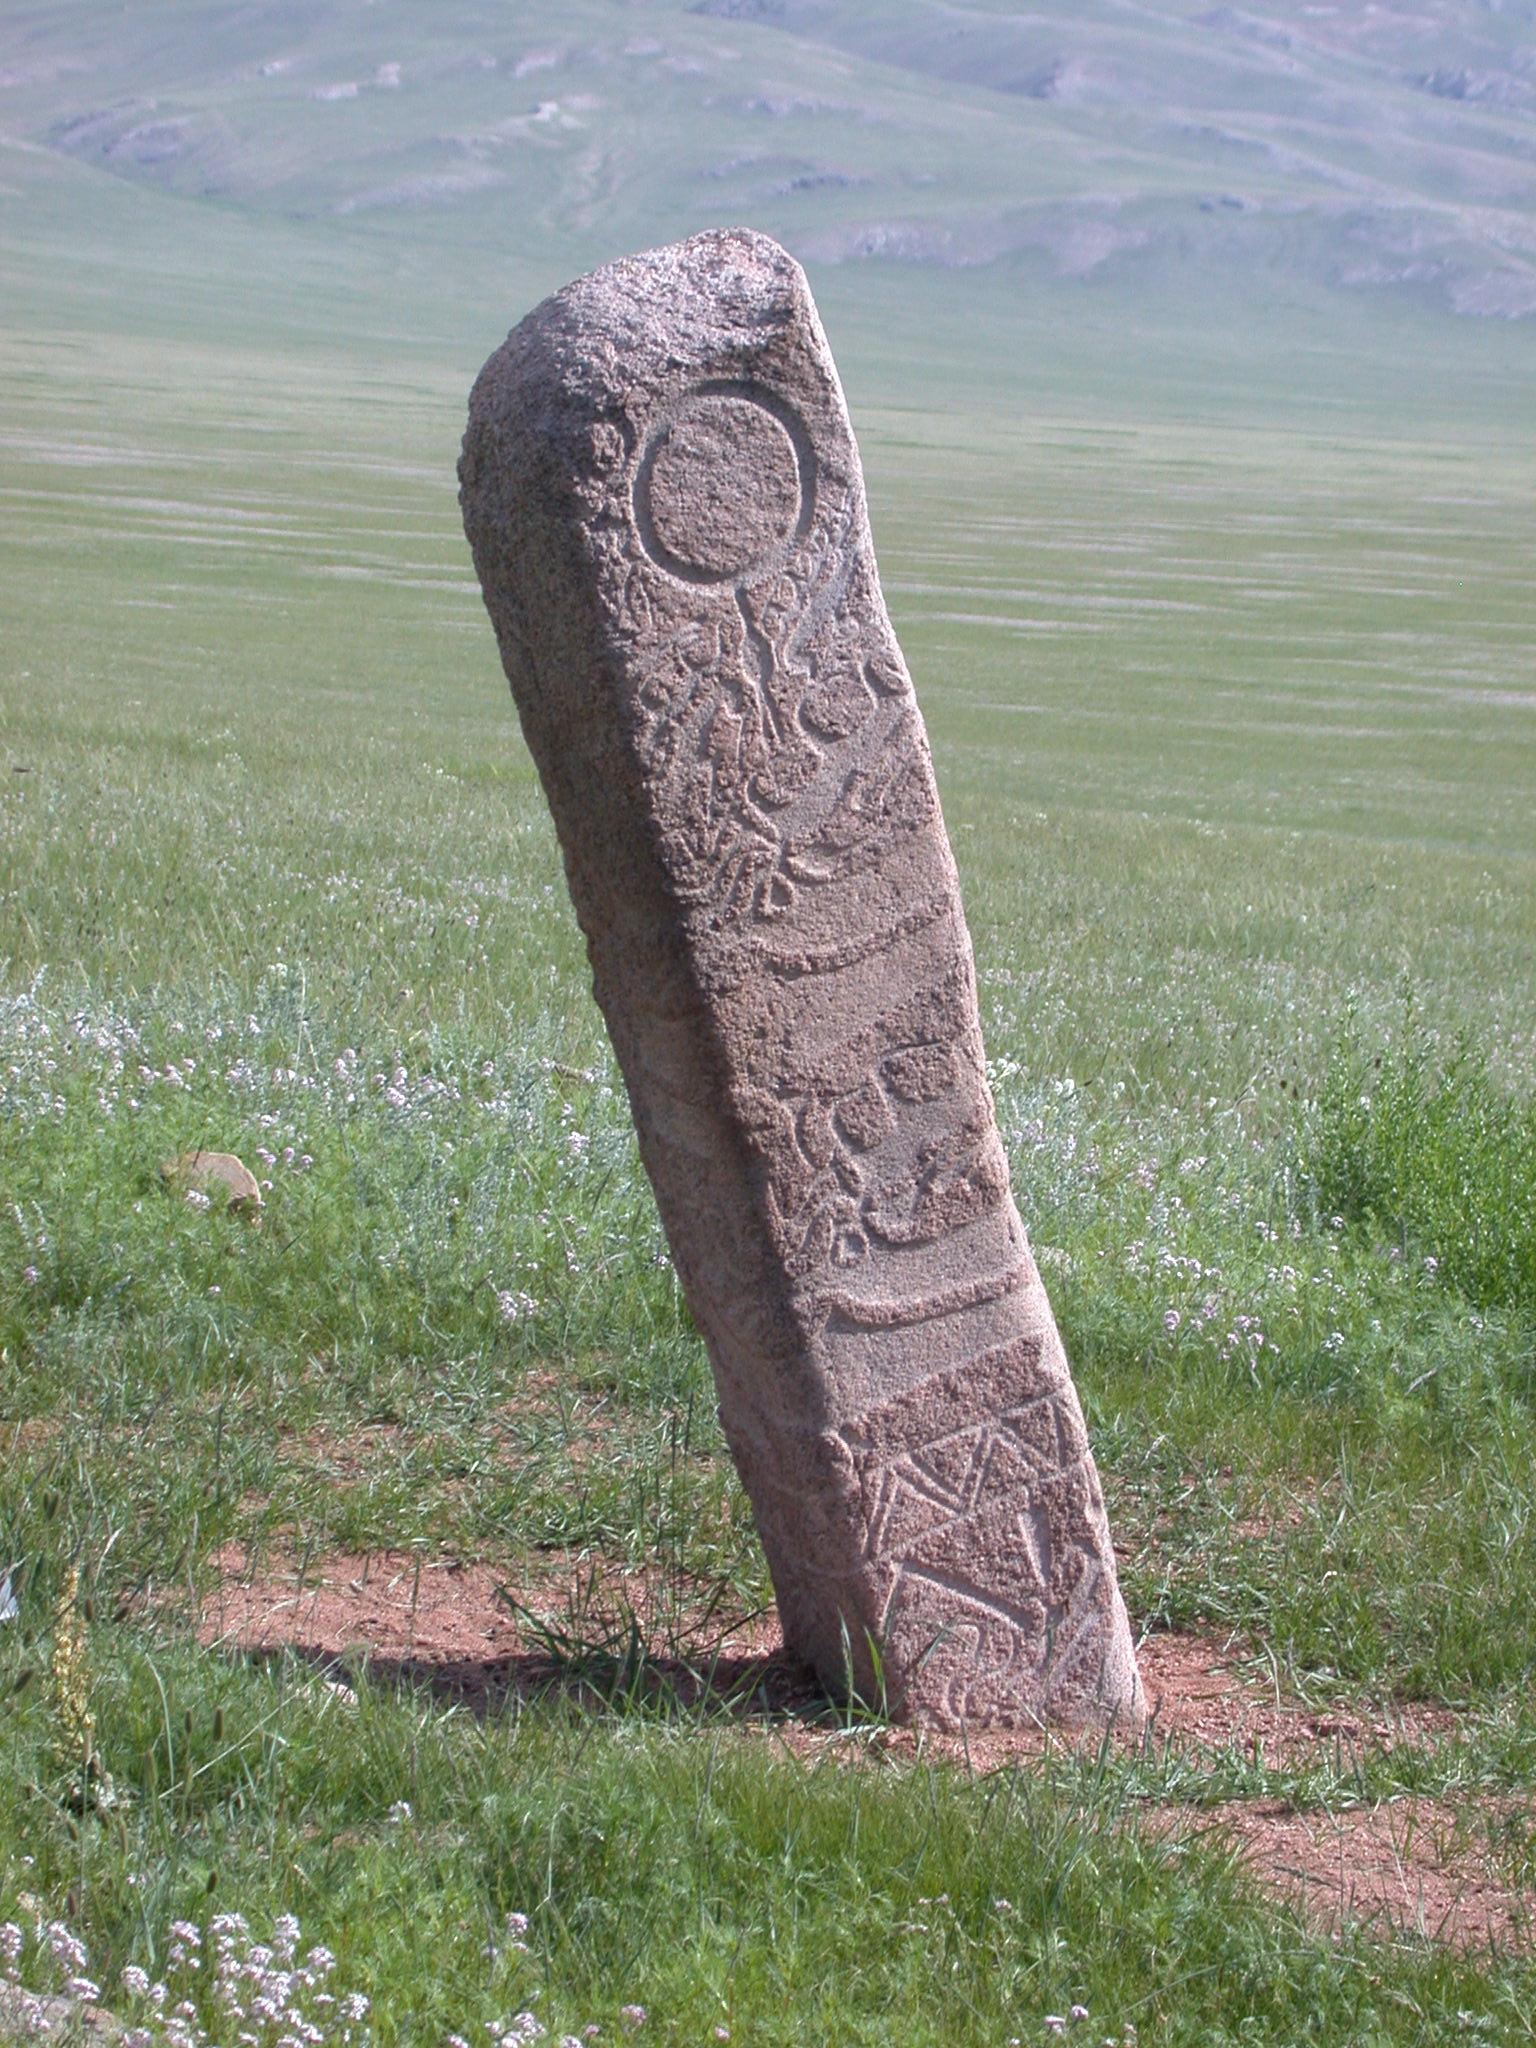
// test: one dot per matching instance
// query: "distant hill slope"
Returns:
(1292, 145)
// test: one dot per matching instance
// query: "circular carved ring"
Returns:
(724, 487)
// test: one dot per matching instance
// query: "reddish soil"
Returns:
(1197, 1699)
(1409, 1866)
(480, 1636)
(348, 1457)
(32, 1432)
(484, 1637)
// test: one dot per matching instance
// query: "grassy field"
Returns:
(1233, 712)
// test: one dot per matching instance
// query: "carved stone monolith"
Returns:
(666, 508)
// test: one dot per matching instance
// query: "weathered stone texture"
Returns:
(664, 499)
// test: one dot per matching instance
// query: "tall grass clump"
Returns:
(1428, 1149)
(547, 1875)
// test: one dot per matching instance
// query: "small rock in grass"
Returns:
(214, 1174)
(331, 1691)
(36, 2016)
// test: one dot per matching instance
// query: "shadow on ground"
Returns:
(605, 1638)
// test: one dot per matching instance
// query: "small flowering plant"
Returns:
(225, 1988)
(51, 1943)
(261, 1994)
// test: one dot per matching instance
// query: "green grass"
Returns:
(703, 1876)
(1425, 1147)
(1228, 686)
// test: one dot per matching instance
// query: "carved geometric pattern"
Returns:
(667, 514)
(975, 1532)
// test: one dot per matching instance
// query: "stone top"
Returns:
(666, 506)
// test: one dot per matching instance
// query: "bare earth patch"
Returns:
(32, 1432)
(391, 1605)
(1197, 1699)
(483, 1637)
(480, 1635)
(1407, 1866)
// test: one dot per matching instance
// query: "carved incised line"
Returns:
(1042, 1643)
(987, 1450)
(1016, 1619)
(758, 714)
(965, 1469)
(664, 497)
(783, 754)
(697, 452)
(810, 960)
(877, 1314)
(854, 1153)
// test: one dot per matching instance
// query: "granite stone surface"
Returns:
(664, 499)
